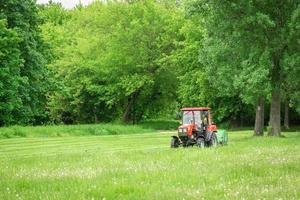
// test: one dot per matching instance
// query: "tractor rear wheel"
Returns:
(174, 143)
(213, 140)
(201, 143)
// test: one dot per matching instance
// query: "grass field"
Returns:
(142, 166)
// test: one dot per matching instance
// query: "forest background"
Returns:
(131, 61)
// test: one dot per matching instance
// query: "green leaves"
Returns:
(26, 61)
(246, 47)
(111, 57)
(10, 79)
(131, 83)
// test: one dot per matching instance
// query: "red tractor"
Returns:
(198, 129)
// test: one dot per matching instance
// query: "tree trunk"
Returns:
(259, 117)
(95, 115)
(286, 114)
(275, 113)
(126, 115)
(275, 128)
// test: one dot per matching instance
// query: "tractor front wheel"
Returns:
(201, 143)
(213, 140)
(174, 143)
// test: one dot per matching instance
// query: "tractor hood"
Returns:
(186, 129)
(185, 126)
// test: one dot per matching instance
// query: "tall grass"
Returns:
(88, 129)
(71, 130)
(160, 124)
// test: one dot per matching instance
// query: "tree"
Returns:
(110, 61)
(22, 16)
(291, 70)
(10, 79)
(246, 43)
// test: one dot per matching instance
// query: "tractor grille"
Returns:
(182, 131)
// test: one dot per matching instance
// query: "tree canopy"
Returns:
(136, 60)
(23, 58)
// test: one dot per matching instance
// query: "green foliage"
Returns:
(238, 68)
(245, 45)
(201, 83)
(140, 60)
(110, 60)
(10, 79)
(291, 61)
(26, 62)
(192, 89)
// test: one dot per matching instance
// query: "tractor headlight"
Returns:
(182, 130)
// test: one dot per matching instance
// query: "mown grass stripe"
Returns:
(71, 151)
(64, 146)
(46, 144)
(76, 138)
(67, 141)
(79, 147)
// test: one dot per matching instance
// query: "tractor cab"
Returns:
(196, 128)
(196, 120)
